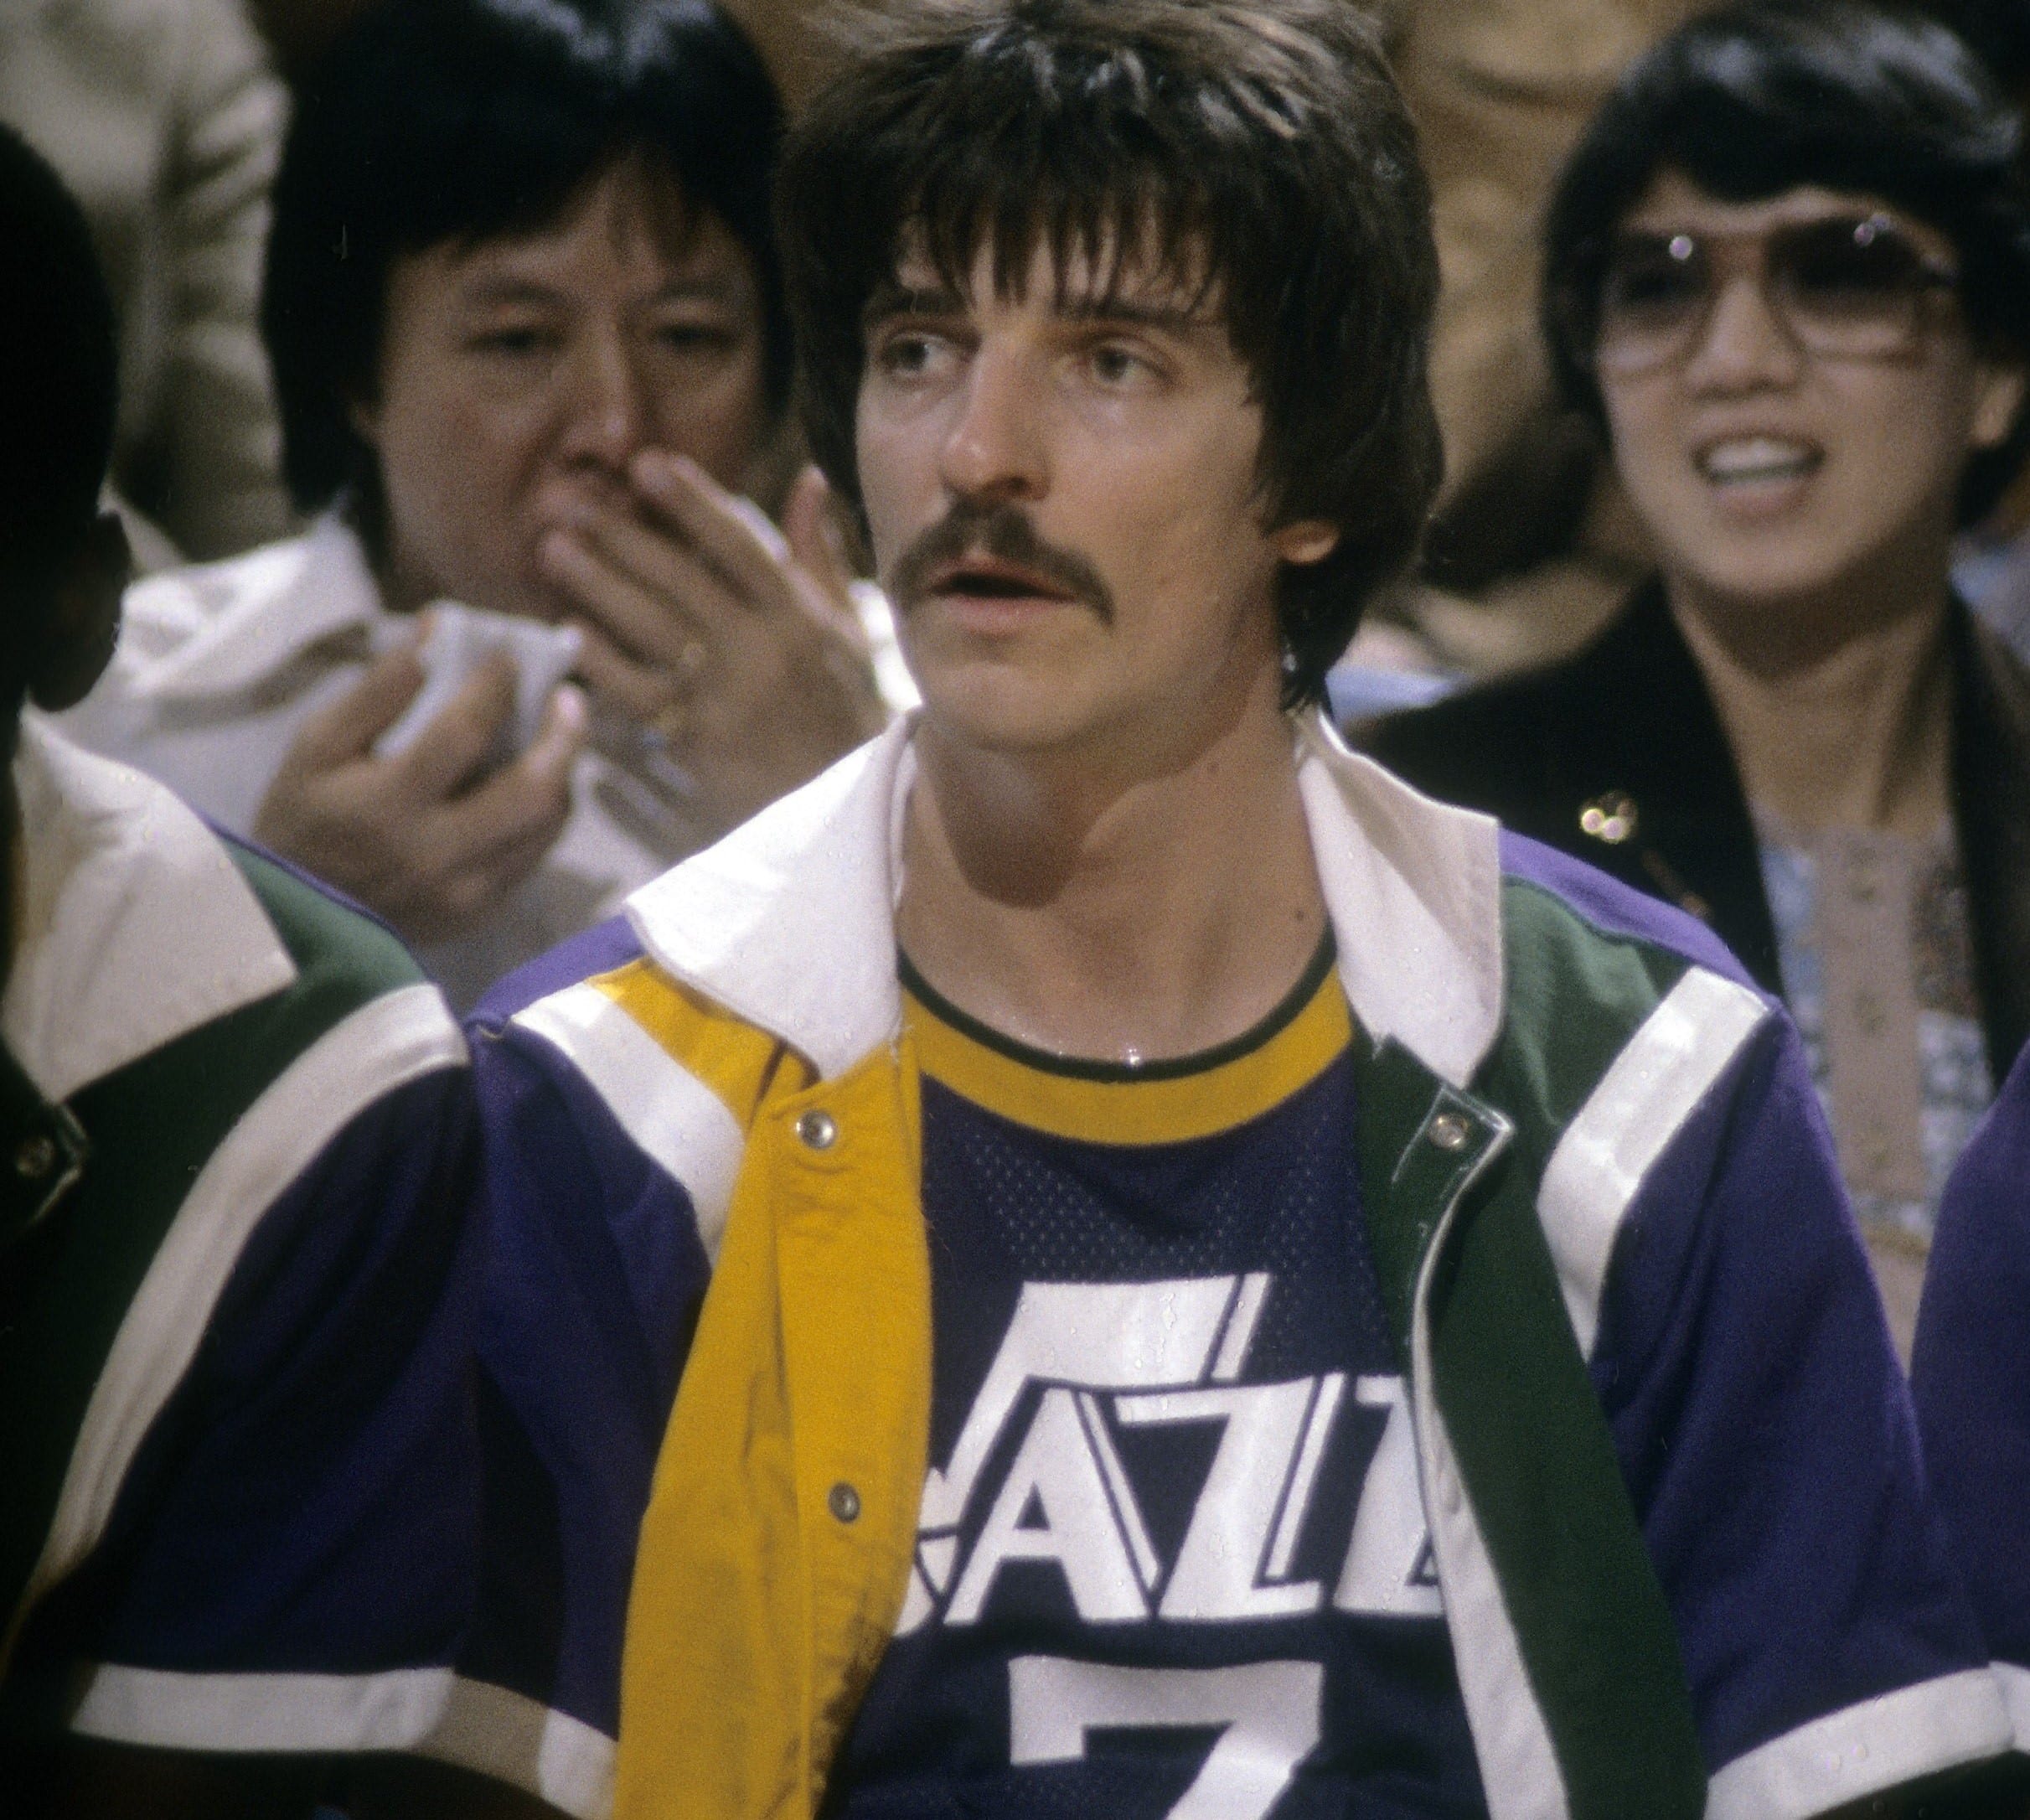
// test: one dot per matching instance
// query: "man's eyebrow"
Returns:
(1177, 318)
(507, 289)
(733, 293)
(889, 300)
(504, 290)
(893, 300)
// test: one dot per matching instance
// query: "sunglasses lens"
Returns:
(1851, 288)
(1654, 294)
(1852, 285)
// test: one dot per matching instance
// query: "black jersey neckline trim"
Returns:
(1164, 1068)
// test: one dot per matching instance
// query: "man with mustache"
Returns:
(1106, 1256)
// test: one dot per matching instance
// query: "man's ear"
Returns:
(1310, 540)
(1998, 396)
(84, 618)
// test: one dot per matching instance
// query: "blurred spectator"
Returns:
(165, 120)
(528, 336)
(1533, 545)
(1786, 270)
(1528, 556)
(240, 1469)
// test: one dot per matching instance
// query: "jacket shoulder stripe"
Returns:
(1662, 1073)
(682, 1118)
(1864, 1749)
(2014, 1682)
(732, 1056)
(388, 1042)
(422, 1712)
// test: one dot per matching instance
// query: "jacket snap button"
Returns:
(818, 1130)
(1448, 1131)
(35, 1159)
(843, 1502)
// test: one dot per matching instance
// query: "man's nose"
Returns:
(606, 404)
(1744, 343)
(995, 447)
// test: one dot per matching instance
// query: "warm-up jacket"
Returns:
(1666, 1455)
(1628, 723)
(235, 1294)
(1970, 1374)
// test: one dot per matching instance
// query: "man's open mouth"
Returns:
(986, 578)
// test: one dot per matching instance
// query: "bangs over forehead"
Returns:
(1246, 158)
(1106, 271)
(1124, 201)
(1133, 161)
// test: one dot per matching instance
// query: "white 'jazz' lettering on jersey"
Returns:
(1388, 1572)
(1102, 1335)
(1227, 1545)
(1138, 1355)
(1056, 1472)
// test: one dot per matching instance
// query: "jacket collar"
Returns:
(134, 925)
(321, 583)
(789, 922)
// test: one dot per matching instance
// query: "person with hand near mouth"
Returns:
(529, 341)
(1786, 270)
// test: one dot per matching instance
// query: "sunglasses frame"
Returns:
(1927, 277)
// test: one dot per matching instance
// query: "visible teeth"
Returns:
(1757, 457)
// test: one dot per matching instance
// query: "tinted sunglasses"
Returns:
(1853, 287)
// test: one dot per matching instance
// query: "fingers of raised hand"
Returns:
(527, 799)
(645, 590)
(467, 852)
(727, 531)
(454, 745)
(430, 860)
(346, 729)
(814, 543)
(650, 692)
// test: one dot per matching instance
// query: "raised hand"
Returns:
(735, 642)
(424, 838)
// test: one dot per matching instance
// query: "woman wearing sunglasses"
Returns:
(1787, 270)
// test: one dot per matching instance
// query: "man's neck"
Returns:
(1851, 731)
(1143, 917)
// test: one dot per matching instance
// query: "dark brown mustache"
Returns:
(1003, 531)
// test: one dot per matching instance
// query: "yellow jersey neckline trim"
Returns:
(1165, 1103)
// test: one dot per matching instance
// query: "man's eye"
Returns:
(1116, 366)
(695, 338)
(515, 341)
(907, 356)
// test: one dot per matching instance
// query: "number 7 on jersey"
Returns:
(1270, 1711)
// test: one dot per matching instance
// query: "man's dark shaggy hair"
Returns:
(455, 120)
(1758, 99)
(1256, 147)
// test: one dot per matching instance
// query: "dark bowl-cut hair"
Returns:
(1759, 99)
(1258, 148)
(59, 383)
(455, 121)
